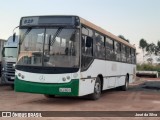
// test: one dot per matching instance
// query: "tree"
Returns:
(158, 59)
(143, 44)
(150, 60)
(157, 49)
(122, 37)
(150, 49)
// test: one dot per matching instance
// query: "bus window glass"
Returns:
(87, 51)
(117, 47)
(130, 58)
(61, 49)
(87, 31)
(31, 47)
(123, 53)
(133, 57)
(109, 49)
(127, 54)
(99, 46)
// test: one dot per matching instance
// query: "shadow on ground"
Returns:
(147, 86)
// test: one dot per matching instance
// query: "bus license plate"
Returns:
(64, 89)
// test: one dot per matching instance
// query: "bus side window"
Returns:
(87, 50)
(99, 46)
(117, 50)
(127, 54)
(109, 49)
(123, 53)
(83, 44)
(130, 56)
(133, 56)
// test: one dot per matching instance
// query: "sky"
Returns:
(134, 19)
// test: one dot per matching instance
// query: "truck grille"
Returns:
(10, 70)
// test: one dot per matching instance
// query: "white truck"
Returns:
(9, 58)
(2, 42)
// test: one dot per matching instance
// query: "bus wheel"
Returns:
(49, 96)
(125, 87)
(97, 90)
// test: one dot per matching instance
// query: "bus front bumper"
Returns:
(62, 89)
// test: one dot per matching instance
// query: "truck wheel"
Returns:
(125, 87)
(97, 90)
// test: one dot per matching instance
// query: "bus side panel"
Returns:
(86, 86)
(90, 75)
(114, 73)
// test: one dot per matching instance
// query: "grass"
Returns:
(148, 67)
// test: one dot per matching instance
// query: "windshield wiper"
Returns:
(23, 37)
(55, 35)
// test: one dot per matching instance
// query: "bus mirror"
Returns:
(89, 41)
(14, 37)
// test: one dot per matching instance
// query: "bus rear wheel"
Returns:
(125, 87)
(97, 90)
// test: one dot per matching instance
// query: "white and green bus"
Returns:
(70, 56)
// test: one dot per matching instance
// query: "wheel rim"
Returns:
(97, 88)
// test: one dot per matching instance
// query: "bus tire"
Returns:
(125, 87)
(49, 96)
(97, 90)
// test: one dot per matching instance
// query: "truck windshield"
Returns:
(52, 47)
(10, 52)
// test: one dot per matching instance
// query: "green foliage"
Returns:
(122, 37)
(150, 48)
(148, 67)
(143, 44)
(157, 48)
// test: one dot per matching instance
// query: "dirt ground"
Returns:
(143, 95)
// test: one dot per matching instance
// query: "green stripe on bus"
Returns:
(47, 88)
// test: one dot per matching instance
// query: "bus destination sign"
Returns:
(48, 21)
(28, 21)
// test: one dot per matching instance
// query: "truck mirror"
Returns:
(3, 52)
(14, 37)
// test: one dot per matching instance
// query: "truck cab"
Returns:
(9, 58)
(2, 42)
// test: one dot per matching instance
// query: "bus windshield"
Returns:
(10, 52)
(50, 47)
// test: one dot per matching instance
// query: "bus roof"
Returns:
(93, 26)
(101, 30)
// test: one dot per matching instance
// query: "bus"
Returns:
(69, 56)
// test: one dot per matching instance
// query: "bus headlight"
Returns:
(64, 79)
(19, 74)
(22, 76)
(68, 77)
